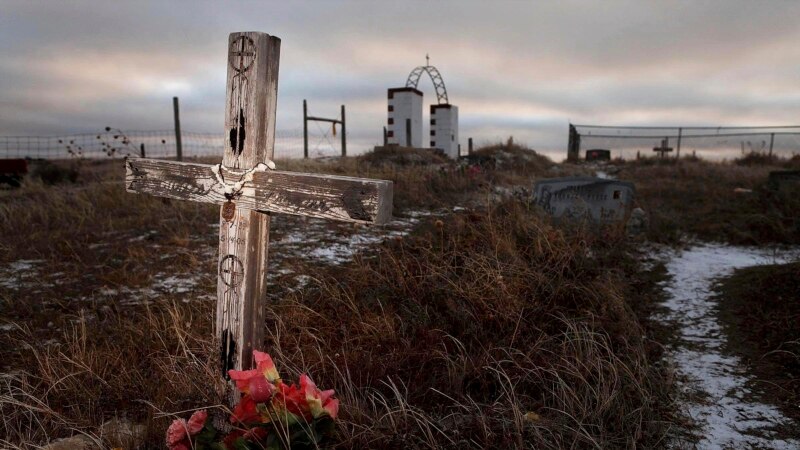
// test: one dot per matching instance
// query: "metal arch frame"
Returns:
(436, 78)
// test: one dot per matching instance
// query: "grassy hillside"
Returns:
(485, 326)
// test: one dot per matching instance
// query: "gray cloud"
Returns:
(512, 67)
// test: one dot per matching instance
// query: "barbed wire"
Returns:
(114, 143)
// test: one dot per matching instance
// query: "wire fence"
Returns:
(114, 143)
(706, 142)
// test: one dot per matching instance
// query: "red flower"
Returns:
(245, 412)
(230, 439)
(307, 400)
(293, 400)
(180, 432)
(331, 407)
(258, 382)
(197, 422)
(319, 403)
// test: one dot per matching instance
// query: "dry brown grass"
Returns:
(760, 310)
(485, 328)
(699, 198)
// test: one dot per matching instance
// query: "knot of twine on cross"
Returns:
(232, 191)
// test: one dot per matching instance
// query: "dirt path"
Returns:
(716, 391)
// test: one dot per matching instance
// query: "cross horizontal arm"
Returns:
(334, 197)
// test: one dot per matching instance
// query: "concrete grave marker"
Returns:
(248, 189)
(577, 198)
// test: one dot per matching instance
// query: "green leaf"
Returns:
(207, 435)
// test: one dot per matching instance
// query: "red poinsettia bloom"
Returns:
(258, 382)
(319, 403)
(292, 399)
(230, 439)
(245, 412)
(180, 432)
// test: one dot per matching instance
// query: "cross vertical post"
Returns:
(251, 98)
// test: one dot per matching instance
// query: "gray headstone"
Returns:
(597, 199)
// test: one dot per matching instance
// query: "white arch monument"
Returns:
(405, 114)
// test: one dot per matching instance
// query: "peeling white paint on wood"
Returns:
(324, 196)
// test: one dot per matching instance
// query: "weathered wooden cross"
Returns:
(248, 190)
(664, 148)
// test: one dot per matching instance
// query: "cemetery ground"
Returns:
(470, 321)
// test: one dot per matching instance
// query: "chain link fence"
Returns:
(705, 142)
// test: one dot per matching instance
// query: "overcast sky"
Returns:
(512, 68)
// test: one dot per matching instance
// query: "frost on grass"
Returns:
(726, 412)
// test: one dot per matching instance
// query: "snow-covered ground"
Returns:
(725, 410)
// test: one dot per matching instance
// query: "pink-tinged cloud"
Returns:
(513, 68)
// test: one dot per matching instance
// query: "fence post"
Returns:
(385, 138)
(678, 149)
(771, 142)
(344, 135)
(469, 146)
(141, 149)
(305, 130)
(178, 147)
(573, 145)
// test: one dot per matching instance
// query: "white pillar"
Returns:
(444, 129)
(405, 104)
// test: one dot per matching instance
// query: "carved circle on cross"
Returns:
(231, 271)
(242, 53)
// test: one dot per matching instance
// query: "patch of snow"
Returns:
(108, 291)
(419, 213)
(727, 416)
(144, 236)
(302, 281)
(23, 265)
(176, 284)
(333, 254)
(22, 274)
(294, 237)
